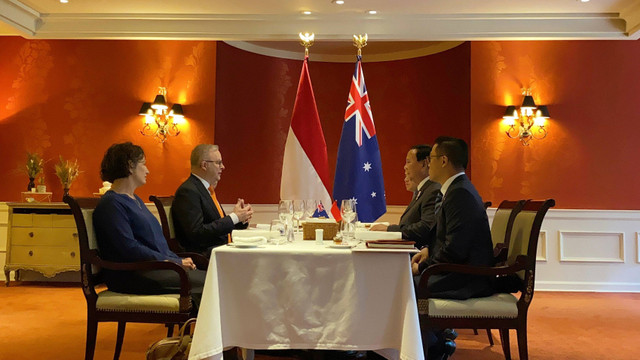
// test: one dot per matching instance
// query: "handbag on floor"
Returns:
(172, 348)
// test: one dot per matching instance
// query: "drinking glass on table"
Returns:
(348, 211)
(310, 207)
(298, 212)
(277, 232)
(285, 213)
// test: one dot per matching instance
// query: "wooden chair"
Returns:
(163, 204)
(110, 306)
(500, 311)
(500, 234)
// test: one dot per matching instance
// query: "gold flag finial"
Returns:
(306, 40)
(360, 41)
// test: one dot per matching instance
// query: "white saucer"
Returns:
(244, 246)
(339, 246)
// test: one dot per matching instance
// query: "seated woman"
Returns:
(127, 231)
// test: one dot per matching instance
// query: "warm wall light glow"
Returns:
(166, 121)
(372, 12)
(528, 122)
(64, 1)
(307, 12)
(338, 2)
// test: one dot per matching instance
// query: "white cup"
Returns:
(319, 236)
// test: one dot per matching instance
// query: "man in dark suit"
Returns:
(199, 221)
(418, 219)
(462, 230)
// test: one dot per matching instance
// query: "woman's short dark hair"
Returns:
(118, 160)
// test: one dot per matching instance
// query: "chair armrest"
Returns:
(185, 286)
(201, 261)
(422, 291)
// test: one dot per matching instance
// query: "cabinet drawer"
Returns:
(63, 221)
(44, 237)
(44, 255)
(22, 220)
(42, 220)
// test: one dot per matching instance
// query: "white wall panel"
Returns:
(541, 255)
(591, 246)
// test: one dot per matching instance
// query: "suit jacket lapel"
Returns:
(415, 200)
(206, 195)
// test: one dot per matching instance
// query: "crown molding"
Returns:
(274, 27)
(21, 17)
(631, 16)
(333, 56)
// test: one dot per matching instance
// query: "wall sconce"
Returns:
(166, 122)
(528, 122)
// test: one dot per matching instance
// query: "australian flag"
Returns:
(359, 169)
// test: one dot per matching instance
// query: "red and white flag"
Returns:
(305, 168)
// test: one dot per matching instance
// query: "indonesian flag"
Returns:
(305, 168)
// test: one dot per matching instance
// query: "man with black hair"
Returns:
(418, 220)
(462, 233)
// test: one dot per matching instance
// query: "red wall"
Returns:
(592, 89)
(412, 101)
(75, 98)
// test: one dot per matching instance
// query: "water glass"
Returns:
(298, 211)
(277, 232)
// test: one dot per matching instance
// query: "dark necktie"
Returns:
(438, 204)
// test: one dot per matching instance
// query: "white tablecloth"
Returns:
(306, 296)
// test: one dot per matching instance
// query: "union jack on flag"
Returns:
(359, 169)
(359, 106)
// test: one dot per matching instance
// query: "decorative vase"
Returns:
(66, 192)
(41, 188)
(31, 184)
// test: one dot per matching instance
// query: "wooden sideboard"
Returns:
(41, 237)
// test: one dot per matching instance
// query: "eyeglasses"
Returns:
(217, 162)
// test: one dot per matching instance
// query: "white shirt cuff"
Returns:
(235, 218)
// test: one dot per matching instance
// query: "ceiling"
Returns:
(272, 25)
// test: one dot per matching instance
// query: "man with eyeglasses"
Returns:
(418, 220)
(462, 235)
(199, 221)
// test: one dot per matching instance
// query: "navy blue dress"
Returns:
(126, 231)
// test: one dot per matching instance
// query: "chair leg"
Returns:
(475, 331)
(169, 329)
(490, 336)
(522, 342)
(119, 339)
(92, 332)
(506, 346)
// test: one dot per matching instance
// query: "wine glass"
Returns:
(285, 213)
(298, 211)
(310, 207)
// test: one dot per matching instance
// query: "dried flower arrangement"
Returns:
(34, 164)
(67, 171)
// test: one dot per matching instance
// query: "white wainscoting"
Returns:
(579, 250)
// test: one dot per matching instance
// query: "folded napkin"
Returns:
(249, 239)
(392, 244)
(263, 226)
(250, 233)
(368, 225)
(362, 234)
